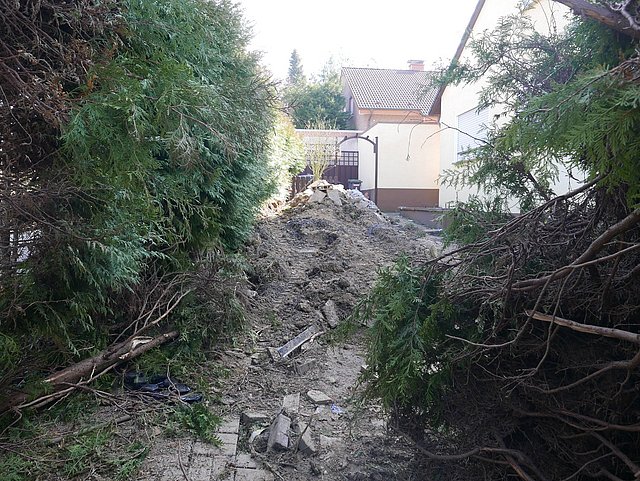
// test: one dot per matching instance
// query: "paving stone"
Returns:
(318, 397)
(243, 474)
(279, 433)
(291, 404)
(229, 444)
(250, 418)
(245, 461)
(203, 449)
(222, 469)
(230, 424)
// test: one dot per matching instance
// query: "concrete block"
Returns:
(291, 404)
(306, 445)
(318, 397)
(279, 433)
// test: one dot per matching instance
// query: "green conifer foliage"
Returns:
(164, 155)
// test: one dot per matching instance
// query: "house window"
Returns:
(472, 130)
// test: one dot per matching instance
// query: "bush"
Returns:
(160, 156)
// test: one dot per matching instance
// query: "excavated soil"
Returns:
(303, 256)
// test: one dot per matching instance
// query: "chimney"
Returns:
(416, 65)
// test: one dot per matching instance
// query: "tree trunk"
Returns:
(611, 19)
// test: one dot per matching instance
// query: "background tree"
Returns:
(320, 100)
(296, 73)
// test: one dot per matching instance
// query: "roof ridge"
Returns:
(388, 69)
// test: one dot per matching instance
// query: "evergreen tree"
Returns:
(296, 73)
(161, 154)
(320, 101)
(501, 346)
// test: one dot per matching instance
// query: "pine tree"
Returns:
(296, 73)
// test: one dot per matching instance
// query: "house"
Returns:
(463, 125)
(395, 135)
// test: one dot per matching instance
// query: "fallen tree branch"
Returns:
(596, 246)
(85, 371)
(612, 19)
(589, 329)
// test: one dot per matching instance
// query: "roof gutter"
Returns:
(435, 107)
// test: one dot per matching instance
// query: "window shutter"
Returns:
(472, 128)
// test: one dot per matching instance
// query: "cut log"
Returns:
(87, 370)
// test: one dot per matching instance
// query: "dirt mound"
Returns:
(315, 250)
(291, 394)
(320, 252)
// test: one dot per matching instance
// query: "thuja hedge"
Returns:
(160, 157)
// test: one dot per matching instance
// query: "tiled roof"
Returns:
(374, 88)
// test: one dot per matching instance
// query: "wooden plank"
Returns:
(297, 341)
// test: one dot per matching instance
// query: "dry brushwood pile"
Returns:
(545, 350)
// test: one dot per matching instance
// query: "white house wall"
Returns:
(458, 99)
(408, 164)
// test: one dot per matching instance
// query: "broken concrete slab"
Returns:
(291, 404)
(327, 441)
(303, 368)
(306, 445)
(279, 434)
(334, 196)
(317, 196)
(296, 342)
(330, 313)
(249, 418)
(318, 397)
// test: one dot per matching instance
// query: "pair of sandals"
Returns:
(160, 387)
